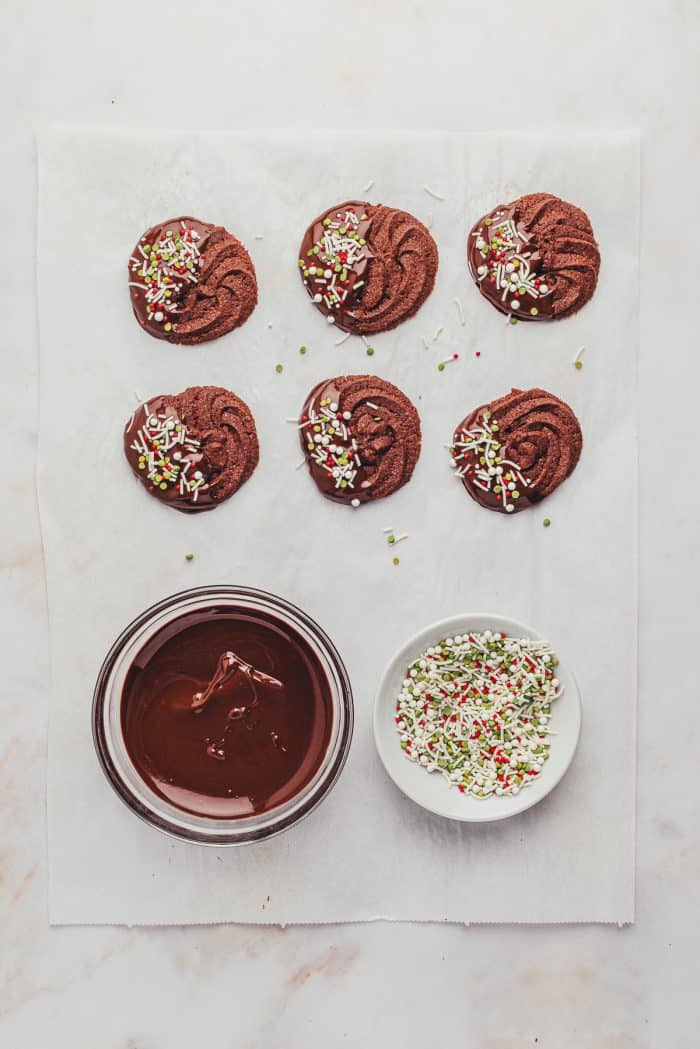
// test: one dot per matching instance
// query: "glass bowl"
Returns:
(123, 775)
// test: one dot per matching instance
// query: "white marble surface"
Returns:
(392, 63)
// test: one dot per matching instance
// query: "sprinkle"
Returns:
(448, 360)
(476, 708)
(460, 312)
(339, 342)
(368, 187)
(166, 450)
(546, 522)
(189, 557)
(438, 333)
(578, 365)
(385, 530)
(432, 193)
(299, 465)
(370, 351)
(279, 368)
(259, 236)
(395, 561)
(577, 362)
(426, 344)
(354, 503)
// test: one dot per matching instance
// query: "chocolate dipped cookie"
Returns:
(192, 450)
(367, 267)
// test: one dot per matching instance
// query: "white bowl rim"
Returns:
(488, 808)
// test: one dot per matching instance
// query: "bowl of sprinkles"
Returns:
(477, 718)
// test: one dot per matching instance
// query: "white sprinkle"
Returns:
(364, 339)
(460, 313)
(331, 319)
(354, 503)
(399, 538)
(299, 465)
(259, 236)
(579, 354)
(426, 344)
(339, 342)
(387, 530)
(368, 187)
(438, 333)
(432, 193)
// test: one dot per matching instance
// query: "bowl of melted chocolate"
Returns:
(222, 715)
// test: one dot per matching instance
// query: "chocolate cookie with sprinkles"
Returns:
(513, 452)
(361, 437)
(535, 259)
(367, 267)
(191, 281)
(192, 450)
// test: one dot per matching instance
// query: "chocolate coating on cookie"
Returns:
(190, 281)
(192, 450)
(535, 258)
(367, 267)
(361, 437)
(513, 452)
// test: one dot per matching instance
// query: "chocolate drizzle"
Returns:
(191, 281)
(367, 267)
(535, 258)
(361, 437)
(193, 449)
(513, 452)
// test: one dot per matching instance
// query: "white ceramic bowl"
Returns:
(430, 789)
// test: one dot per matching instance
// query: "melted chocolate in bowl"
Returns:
(252, 746)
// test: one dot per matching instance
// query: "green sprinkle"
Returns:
(546, 522)
(578, 365)
(441, 367)
(513, 320)
(370, 351)
(391, 539)
(279, 368)
(395, 561)
(189, 557)
(302, 349)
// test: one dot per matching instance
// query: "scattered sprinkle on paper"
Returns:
(460, 312)
(368, 187)
(339, 342)
(432, 193)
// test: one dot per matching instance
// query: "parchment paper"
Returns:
(367, 852)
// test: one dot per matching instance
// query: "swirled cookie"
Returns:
(535, 258)
(361, 437)
(513, 452)
(367, 267)
(191, 282)
(192, 449)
